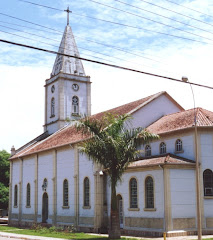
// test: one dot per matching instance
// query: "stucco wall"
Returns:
(153, 111)
(183, 198)
(28, 177)
(86, 169)
(65, 170)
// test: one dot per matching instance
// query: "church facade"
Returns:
(52, 183)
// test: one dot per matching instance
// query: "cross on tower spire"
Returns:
(68, 11)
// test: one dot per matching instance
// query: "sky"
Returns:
(172, 38)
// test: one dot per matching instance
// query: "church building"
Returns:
(52, 183)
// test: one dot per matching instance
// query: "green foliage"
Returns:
(112, 143)
(4, 196)
(4, 167)
(4, 179)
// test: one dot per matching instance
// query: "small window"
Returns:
(178, 145)
(208, 182)
(148, 152)
(52, 107)
(75, 105)
(86, 192)
(65, 193)
(133, 193)
(16, 196)
(162, 148)
(149, 193)
(28, 195)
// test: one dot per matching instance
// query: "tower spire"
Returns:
(68, 11)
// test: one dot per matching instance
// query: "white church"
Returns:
(52, 183)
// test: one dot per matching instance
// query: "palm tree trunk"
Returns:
(114, 230)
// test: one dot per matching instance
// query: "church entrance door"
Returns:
(120, 210)
(45, 208)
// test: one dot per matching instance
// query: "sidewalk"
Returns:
(28, 237)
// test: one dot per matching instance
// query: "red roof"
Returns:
(167, 159)
(182, 120)
(69, 135)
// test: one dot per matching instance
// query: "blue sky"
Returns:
(144, 45)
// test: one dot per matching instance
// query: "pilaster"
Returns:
(10, 191)
(167, 200)
(89, 98)
(36, 189)
(76, 180)
(98, 181)
(54, 187)
(20, 189)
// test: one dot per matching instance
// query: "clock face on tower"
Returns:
(75, 87)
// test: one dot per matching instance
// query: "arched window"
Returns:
(52, 107)
(65, 193)
(148, 152)
(16, 196)
(178, 145)
(75, 105)
(149, 192)
(133, 192)
(208, 182)
(28, 195)
(86, 192)
(162, 148)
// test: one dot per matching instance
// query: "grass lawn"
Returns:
(52, 232)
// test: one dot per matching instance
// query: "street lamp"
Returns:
(199, 224)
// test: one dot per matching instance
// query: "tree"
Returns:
(112, 144)
(4, 179)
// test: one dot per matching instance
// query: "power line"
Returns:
(64, 48)
(140, 28)
(167, 34)
(30, 22)
(50, 44)
(117, 9)
(189, 8)
(164, 16)
(105, 64)
(176, 12)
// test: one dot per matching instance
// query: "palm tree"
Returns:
(112, 144)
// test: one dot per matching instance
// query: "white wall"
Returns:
(86, 170)
(15, 181)
(206, 158)
(28, 177)
(153, 111)
(123, 189)
(45, 170)
(65, 170)
(183, 197)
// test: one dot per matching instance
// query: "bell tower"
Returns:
(68, 90)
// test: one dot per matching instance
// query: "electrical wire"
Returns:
(153, 4)
(189, 8)
(136, 15)
(105, 64)
(186, 24)
(167, 34)
(51, 45)
(30, 22)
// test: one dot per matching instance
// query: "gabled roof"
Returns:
(167, 159)
(67, 64)
(69, 135)
(182, 120)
